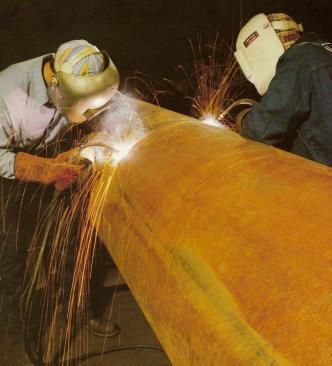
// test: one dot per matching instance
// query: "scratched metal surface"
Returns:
(225, 244)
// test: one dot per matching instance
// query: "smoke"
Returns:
(121, 121)
(119, 128)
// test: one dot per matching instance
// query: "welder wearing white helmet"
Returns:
(40, 99)
(292, 71)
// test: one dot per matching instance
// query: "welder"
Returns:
(41, 102)
(292, 71)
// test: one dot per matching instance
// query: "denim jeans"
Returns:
(23, 207)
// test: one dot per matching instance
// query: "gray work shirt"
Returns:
(28, 122)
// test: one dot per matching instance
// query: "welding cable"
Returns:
(97, 144)
(37, 356)
(237, 103)
(81, 358)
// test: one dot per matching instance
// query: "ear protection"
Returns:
(54, 81)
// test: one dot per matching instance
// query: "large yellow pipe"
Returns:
(225, 243)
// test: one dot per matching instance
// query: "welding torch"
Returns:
(245, 102)
(86, 157)
(96, 153)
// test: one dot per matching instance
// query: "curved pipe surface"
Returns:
(225, 244)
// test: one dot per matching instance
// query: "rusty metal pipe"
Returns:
(225, 244)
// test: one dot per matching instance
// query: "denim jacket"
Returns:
(296, 112)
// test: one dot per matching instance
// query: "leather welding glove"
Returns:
(58, 170)
(71, 156)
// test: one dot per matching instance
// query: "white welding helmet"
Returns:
(260, 44)
(84, 81)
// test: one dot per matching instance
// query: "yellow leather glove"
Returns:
(58, 170)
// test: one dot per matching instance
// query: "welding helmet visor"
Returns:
(258, 49)
(80, 98)
(260, 44)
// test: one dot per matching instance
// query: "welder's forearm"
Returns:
(31, 168)
(262, 126)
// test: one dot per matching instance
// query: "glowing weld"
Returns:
(121, 150)
(104, 154)
(120, 127)
(211, 121)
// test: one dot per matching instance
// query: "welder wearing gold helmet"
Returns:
(81, 81)
(40, 101)
(292, 71)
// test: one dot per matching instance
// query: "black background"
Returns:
(150, 36)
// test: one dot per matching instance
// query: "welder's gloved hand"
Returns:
(31, 168)
(71, 156)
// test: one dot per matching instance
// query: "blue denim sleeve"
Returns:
(285, 103)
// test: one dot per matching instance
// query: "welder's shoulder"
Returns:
(314, 54)
(18, 75)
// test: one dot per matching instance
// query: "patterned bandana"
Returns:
(74, 53)
(290, 31)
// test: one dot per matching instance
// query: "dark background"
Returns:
(150, 36)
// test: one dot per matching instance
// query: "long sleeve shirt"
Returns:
(28, 121)
(296, 112)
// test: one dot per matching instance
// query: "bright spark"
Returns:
(121, 150)
(211, 121)
(96, 154)
(113, 155)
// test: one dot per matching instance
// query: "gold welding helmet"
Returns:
(84, 81)
(260, 44)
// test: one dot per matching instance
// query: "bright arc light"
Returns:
(211, 121)
(102, 154)
(121, 151)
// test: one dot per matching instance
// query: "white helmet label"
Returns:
(248, 41)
